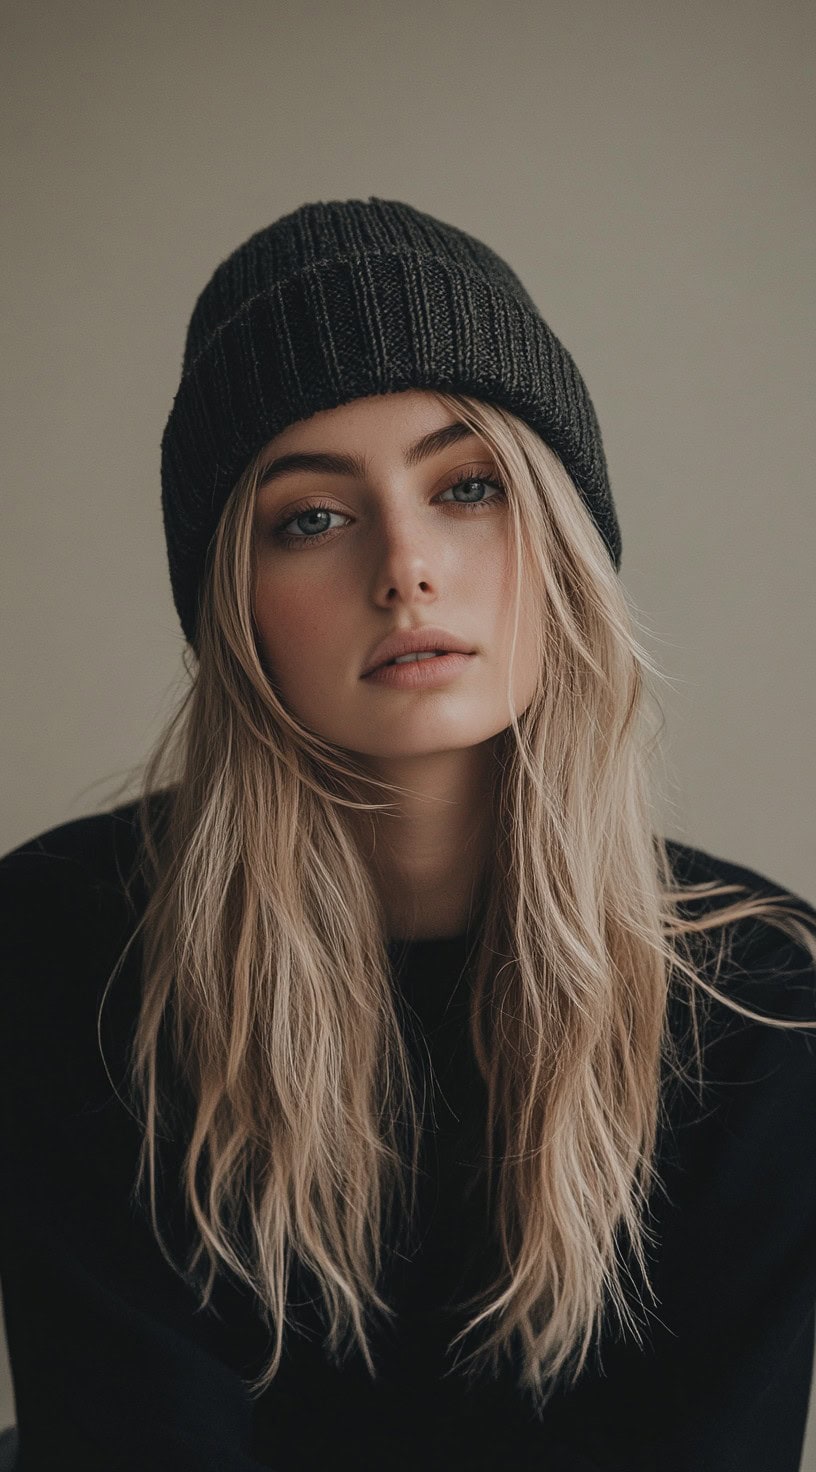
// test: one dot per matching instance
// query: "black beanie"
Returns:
(337, 301)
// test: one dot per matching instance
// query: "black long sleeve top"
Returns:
(115, 1370)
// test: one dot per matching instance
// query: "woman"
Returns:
(436, 1116)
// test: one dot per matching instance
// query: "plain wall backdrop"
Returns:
(645, 168)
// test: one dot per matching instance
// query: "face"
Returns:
(403, 539)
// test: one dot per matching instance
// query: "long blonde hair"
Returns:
(266, 967)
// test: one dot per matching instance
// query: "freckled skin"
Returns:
(402, 557)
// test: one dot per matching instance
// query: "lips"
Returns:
(420, 674)
(418, 657)
(425, 639)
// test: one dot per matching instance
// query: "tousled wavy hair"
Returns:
(266, 972)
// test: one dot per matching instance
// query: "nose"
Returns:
(408, 556)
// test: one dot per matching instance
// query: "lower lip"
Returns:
(419, 673)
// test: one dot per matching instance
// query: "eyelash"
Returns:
(289, 539)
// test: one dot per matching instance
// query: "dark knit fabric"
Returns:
(115, 1367)
(338, 301)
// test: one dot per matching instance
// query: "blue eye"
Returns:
(314, 509)
(321, 509)
(473, 480)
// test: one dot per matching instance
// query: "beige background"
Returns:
(646, 169)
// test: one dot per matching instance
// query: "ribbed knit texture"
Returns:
(344, 299)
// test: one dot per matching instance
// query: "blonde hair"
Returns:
(266, 966)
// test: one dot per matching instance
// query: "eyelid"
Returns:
(309, 503)
(472, 470)
(455, 477)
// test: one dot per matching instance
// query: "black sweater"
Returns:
(115, 1371)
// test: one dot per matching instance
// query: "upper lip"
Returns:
(414, 641)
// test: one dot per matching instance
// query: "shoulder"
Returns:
(756, 964)
(70, 897)
(96, 853)
(698, 866)
(70, 901)
(723, 883)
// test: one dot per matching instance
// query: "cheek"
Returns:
(498, 594)
(493, 588)
(296, 623)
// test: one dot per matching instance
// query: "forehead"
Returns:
(399, 416)
(413, 427)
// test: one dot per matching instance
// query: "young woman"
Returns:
(380, 1087)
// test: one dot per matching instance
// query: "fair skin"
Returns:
(400, 549)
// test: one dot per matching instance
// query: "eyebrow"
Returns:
(422, 449)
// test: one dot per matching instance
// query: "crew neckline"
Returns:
(429, 952)
(428, 940)
(425, 944)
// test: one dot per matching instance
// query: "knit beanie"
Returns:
(337, 301)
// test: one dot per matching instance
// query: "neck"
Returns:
(428, 854)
